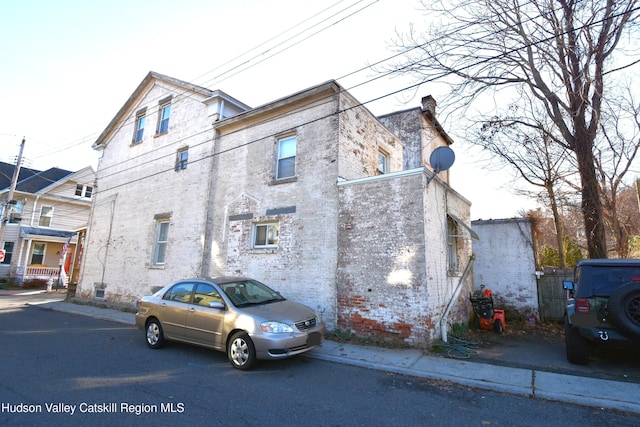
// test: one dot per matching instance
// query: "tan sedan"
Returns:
(241, 316)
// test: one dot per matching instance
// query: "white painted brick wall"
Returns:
(505, 263)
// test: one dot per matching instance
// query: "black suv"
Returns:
(603, 308)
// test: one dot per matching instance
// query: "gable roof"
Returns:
(152, 75)
(29, 180)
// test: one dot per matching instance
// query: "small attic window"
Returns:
(85, 191)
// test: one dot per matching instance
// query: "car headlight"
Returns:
(276, 327)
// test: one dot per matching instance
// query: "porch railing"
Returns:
(45, 273)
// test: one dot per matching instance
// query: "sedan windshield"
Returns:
(250, 292)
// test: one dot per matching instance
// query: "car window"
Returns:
(600, 281)
(205, 294)
(250, 292)
(181, 292)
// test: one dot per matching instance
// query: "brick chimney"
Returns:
(429, 104)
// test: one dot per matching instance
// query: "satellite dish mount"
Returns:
(441, 159)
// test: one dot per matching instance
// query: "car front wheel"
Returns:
(155, 337)
(241, 352)
(577, 347)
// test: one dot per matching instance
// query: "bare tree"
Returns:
(557, 51)
(536, 158)
(616, 149)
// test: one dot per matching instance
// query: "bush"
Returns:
(35, 284)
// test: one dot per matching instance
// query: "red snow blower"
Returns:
(484, 315)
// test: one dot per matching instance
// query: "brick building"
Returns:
(309, 194)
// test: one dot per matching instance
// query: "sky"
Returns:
(67, 66)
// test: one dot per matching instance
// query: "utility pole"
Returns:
(10, 202)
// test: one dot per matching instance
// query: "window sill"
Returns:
(269, 250)
(156, 267)
(284, 180)
(160, 134)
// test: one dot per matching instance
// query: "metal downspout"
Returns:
(443, 326)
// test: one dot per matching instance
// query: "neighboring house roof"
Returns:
(152, 75)
(29, 180)
(39, 231)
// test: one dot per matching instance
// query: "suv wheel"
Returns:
(624, 309)
(577, 347)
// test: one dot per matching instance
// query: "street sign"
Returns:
(1, 255)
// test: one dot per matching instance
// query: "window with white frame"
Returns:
(160, 243)
(37, 256)
(452, 244)
(383, 163)
(265, 235)
(182, 159)
(46, 214)
(164, 112)
(141, 118)
(8, 252)
(286, 164)
(15, 213)
(84, 191)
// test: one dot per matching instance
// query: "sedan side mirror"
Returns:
(216, 304)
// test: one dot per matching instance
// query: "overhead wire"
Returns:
(182, 140)
(183, 93)
(172, 153)
(508, 52)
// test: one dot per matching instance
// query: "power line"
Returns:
(172, 153)
(453, 71)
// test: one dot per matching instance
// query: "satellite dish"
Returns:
(441, 159)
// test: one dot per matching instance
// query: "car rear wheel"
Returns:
(624, 309)
(155, 336)
(241, 352)
(577, 347)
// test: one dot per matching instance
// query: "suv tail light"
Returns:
(582, 306)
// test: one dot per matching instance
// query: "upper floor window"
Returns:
(286, 166)
(46, 213)
(182, 159)
(15, 213)
(84, 191)
(383, 163)
(265, 235)
(160, 243)
(163, 115)
(140, 121)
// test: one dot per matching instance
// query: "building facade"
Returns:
(48, 210)
(513, 281)
(308, 193)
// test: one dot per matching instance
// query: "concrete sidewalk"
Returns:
(578, 390)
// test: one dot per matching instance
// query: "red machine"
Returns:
(484, 315)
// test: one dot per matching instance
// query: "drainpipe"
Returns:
(443, 326)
